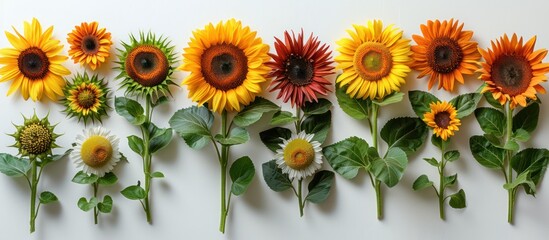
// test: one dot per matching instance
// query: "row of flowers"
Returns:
(228, 64)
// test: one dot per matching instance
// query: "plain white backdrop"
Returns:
(185, 204)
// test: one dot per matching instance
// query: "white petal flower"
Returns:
(96, 151)
(299, 156)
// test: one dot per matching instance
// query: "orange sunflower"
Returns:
(442, 119)
(445, 52)
(513, 71)
(89, 45)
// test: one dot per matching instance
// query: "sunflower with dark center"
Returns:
(145, 65)
(300, 68)
(89, 45)
(374, 60)
(35, 138)
(513, 71)
(444, 53)
(226, 64)
(442, 119)
(86, 98)
(34, 63)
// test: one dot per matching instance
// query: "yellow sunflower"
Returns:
(227, 65)
(89, 45)
(374, 60)
(34, 64)
(445, 52)
(513, 71)
(443, 119)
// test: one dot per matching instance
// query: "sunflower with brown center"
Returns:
(146, 65)
(444, 53)
(86, 98)
(513, 71)
(89, 45)
(300, 68)
(227, 65)
(442, 119)
(34, 64)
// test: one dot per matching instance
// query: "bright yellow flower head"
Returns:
(443, 119)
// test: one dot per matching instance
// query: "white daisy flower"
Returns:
(96, 151)
(299, 156)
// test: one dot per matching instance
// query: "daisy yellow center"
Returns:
(224, 66)
(299, 154)
(442, 119)
(147, 65)
(96, 151)
(444, 55)
(298, 70)
(373, 61)
(90, 44)
(35, 139)
(512, 74)
(33, 63)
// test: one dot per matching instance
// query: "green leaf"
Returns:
(161, 100)
(13, 166)
(47, 197)
(136, 144)
(465, 104)
(420, 101)
(432, 161)
(315, 108)
(157, 175)
(439, 143)
(319, 187)
(83, 178)
(134, 192)
(356, 108)
(522, 178)
(283, 117)
(87, 206)
(405, 133)
(422, 182)
(451, 156)
(458, 200)
(106, 205)
(272, 138)
(521, 135)
(491, 121)
(493, 140)
(254, 111)
(130, 109)
(57, 157)
(108, 179)
(390, 99)
(511, 145)
(490, 99)
(319, 125)
(450, 180)
(275, 179)
(533, 160)
(485, 153)
(242, 173)
(390, 169)
(193, 124)
(236, 136)
(348, 156)
(160, 137)
(527, 118)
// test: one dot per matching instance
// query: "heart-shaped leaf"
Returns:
(422, 182)
(275, 179)
(193, 124)
(458, 200)
(491, 121)
(390, 169)
(130, 109)
(47, 197)
(134, 192)
(106, 205)
(242, 173)
(13, 166)
(87, 206)
(84, 178)
(348, 156)
(485, 153)
(108, 179)
(319, 187)
(405, 133)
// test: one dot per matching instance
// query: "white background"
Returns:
(186, 203)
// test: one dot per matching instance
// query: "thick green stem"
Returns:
(34, 184)
(373, 127)
(95, 210)
(223, 161)
(300, 196)
(147, 161)
(374, 132)
(508, 155)
(379, 200)
(442, 184)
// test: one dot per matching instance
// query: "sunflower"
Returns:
(227, 65)
(86, 98)
(146, 65)
(513, 71)
(374, 60)
(299, 68)
(89, 45)
(443, 119)
(35, 138)
(96, 151)
(445, 52)
(34, 64)
(299, 156)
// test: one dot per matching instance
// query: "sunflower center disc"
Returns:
(224, 66)
(35, 139)
(442, 119)
(96, 151)
(86, 98)
(90, 45)
(444, 55)
(298, 70)
(299, 154)
(33, 63)
(512, 73)
(373, 61)
(147, 65)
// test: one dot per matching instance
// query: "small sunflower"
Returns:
(374, 60)
(34, 64)
(86, 98)
(96, 151)
(35, 138)
(227, 65)
(445, 52)
(146, 65)
(299, 68)
(299, 156)
(443, 119)
(513, 71)
(89, 45)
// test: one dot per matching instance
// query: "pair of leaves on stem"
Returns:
(85, 205)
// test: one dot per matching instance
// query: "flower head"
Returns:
(442, 119)
(96, 151)
(86, 98)
(35, 138)
(299, 156)
(89, 45)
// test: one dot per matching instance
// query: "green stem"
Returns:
(374, 132)
(147, 161)
(300, 197)
(298, 122)
(510, 192)
(34, 183)
(379, 200)
(95, 210)
(223, 161)
(442, 187)
(373, 127)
